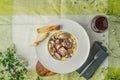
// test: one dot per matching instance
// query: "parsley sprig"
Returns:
(11, 68)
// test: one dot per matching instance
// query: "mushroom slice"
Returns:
(62, 51)
(64, 36)
(58, 56)
(68, 44)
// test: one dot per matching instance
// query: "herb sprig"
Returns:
(11, 68)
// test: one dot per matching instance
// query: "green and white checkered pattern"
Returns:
(10, 8)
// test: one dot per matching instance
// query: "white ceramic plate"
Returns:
(80, 56)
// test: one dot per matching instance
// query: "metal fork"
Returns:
(95, 57)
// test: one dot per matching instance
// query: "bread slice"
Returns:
(48, 29)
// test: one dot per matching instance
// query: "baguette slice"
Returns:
(41, 39)
(48, 29)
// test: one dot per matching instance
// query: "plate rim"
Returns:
(87, 37)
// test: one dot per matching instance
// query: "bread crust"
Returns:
(45, 35)
(48, 29)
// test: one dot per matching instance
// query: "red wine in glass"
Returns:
(99, 24)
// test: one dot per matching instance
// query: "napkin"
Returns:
(96, 48)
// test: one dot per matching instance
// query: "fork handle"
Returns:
(86, 67)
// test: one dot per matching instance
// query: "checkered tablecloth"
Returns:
(19, 19)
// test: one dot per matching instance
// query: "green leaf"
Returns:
(38, 78)
(0, 54)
